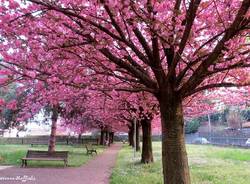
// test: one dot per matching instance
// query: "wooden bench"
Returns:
(88, 141)
(46, 143)
(45, 156)
(90, 149)
(39, 143)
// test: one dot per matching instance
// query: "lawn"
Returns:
(208, 165)
(11, 154)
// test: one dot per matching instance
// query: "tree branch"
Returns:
(137, 73)
(216, 85)
(202, 71)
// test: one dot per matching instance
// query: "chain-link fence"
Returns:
(239, 140)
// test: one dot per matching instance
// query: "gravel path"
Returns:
(96, 171)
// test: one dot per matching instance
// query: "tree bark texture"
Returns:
(147, 151)
(107, 140)
(79, 138)
(137, 138)
(52, 139)
(130, 135)
(174, 155)
(102, 141)
(111, 137)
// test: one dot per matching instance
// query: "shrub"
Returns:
(192, 126)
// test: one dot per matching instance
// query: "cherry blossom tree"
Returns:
(172, 49)
(41, 95)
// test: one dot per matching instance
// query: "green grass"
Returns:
(208, 165)
(11, 154)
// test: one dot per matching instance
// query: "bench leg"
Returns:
(22, 163)
(25, 163)
(65, 163)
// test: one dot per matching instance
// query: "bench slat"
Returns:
(43, 159)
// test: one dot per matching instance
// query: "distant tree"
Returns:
(234, 119)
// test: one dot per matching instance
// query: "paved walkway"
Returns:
(96, 171)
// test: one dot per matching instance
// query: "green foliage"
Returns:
(8, 93)
(208, 165)
(215, 117)
(9, 116)
(192, 126)
(246, 114)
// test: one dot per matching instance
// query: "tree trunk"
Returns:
(107, 141)
(102, 141)
(130, 136)
(174, 156)
(137, 137)
(147, 151)
(79, 138)
(111, 137)
(52, 139)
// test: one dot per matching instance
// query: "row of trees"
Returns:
(63, 52)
